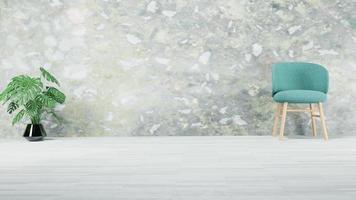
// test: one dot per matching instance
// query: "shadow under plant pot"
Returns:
(34, 132)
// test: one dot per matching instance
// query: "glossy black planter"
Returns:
(34, 132)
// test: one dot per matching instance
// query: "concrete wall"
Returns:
(177, 67)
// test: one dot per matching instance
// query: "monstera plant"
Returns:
(31, 98)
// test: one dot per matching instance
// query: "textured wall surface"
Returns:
(177, 67)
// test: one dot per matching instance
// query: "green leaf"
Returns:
(25, 91)
(48, 76)
(46, 100)
(18, 117)
(2, 96)
(6, 95)
(22, 89)
(55, 94)
(12, 107)
(33, 108)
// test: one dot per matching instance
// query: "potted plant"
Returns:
(31, 98)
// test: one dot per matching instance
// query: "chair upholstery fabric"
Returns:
(299, 96)
(298, 82)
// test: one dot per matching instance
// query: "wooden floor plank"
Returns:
(251, 167)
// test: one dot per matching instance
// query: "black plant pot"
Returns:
(34, 132)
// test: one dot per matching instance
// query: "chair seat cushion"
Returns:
(300, 96)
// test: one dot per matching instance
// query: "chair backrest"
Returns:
(299, 76)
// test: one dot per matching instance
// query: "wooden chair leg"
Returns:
(277, 113)
(313, 119)
(283, 120)
(322, 119)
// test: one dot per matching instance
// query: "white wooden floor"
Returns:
(184, 168)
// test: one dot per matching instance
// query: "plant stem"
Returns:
(35, 119)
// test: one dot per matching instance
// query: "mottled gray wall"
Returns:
(178, 67)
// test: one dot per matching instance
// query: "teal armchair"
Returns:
(299, 83)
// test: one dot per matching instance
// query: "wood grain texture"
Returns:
(178, 168)
(322, 120)
(277, 113)
(312, 118)
(283, 120)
